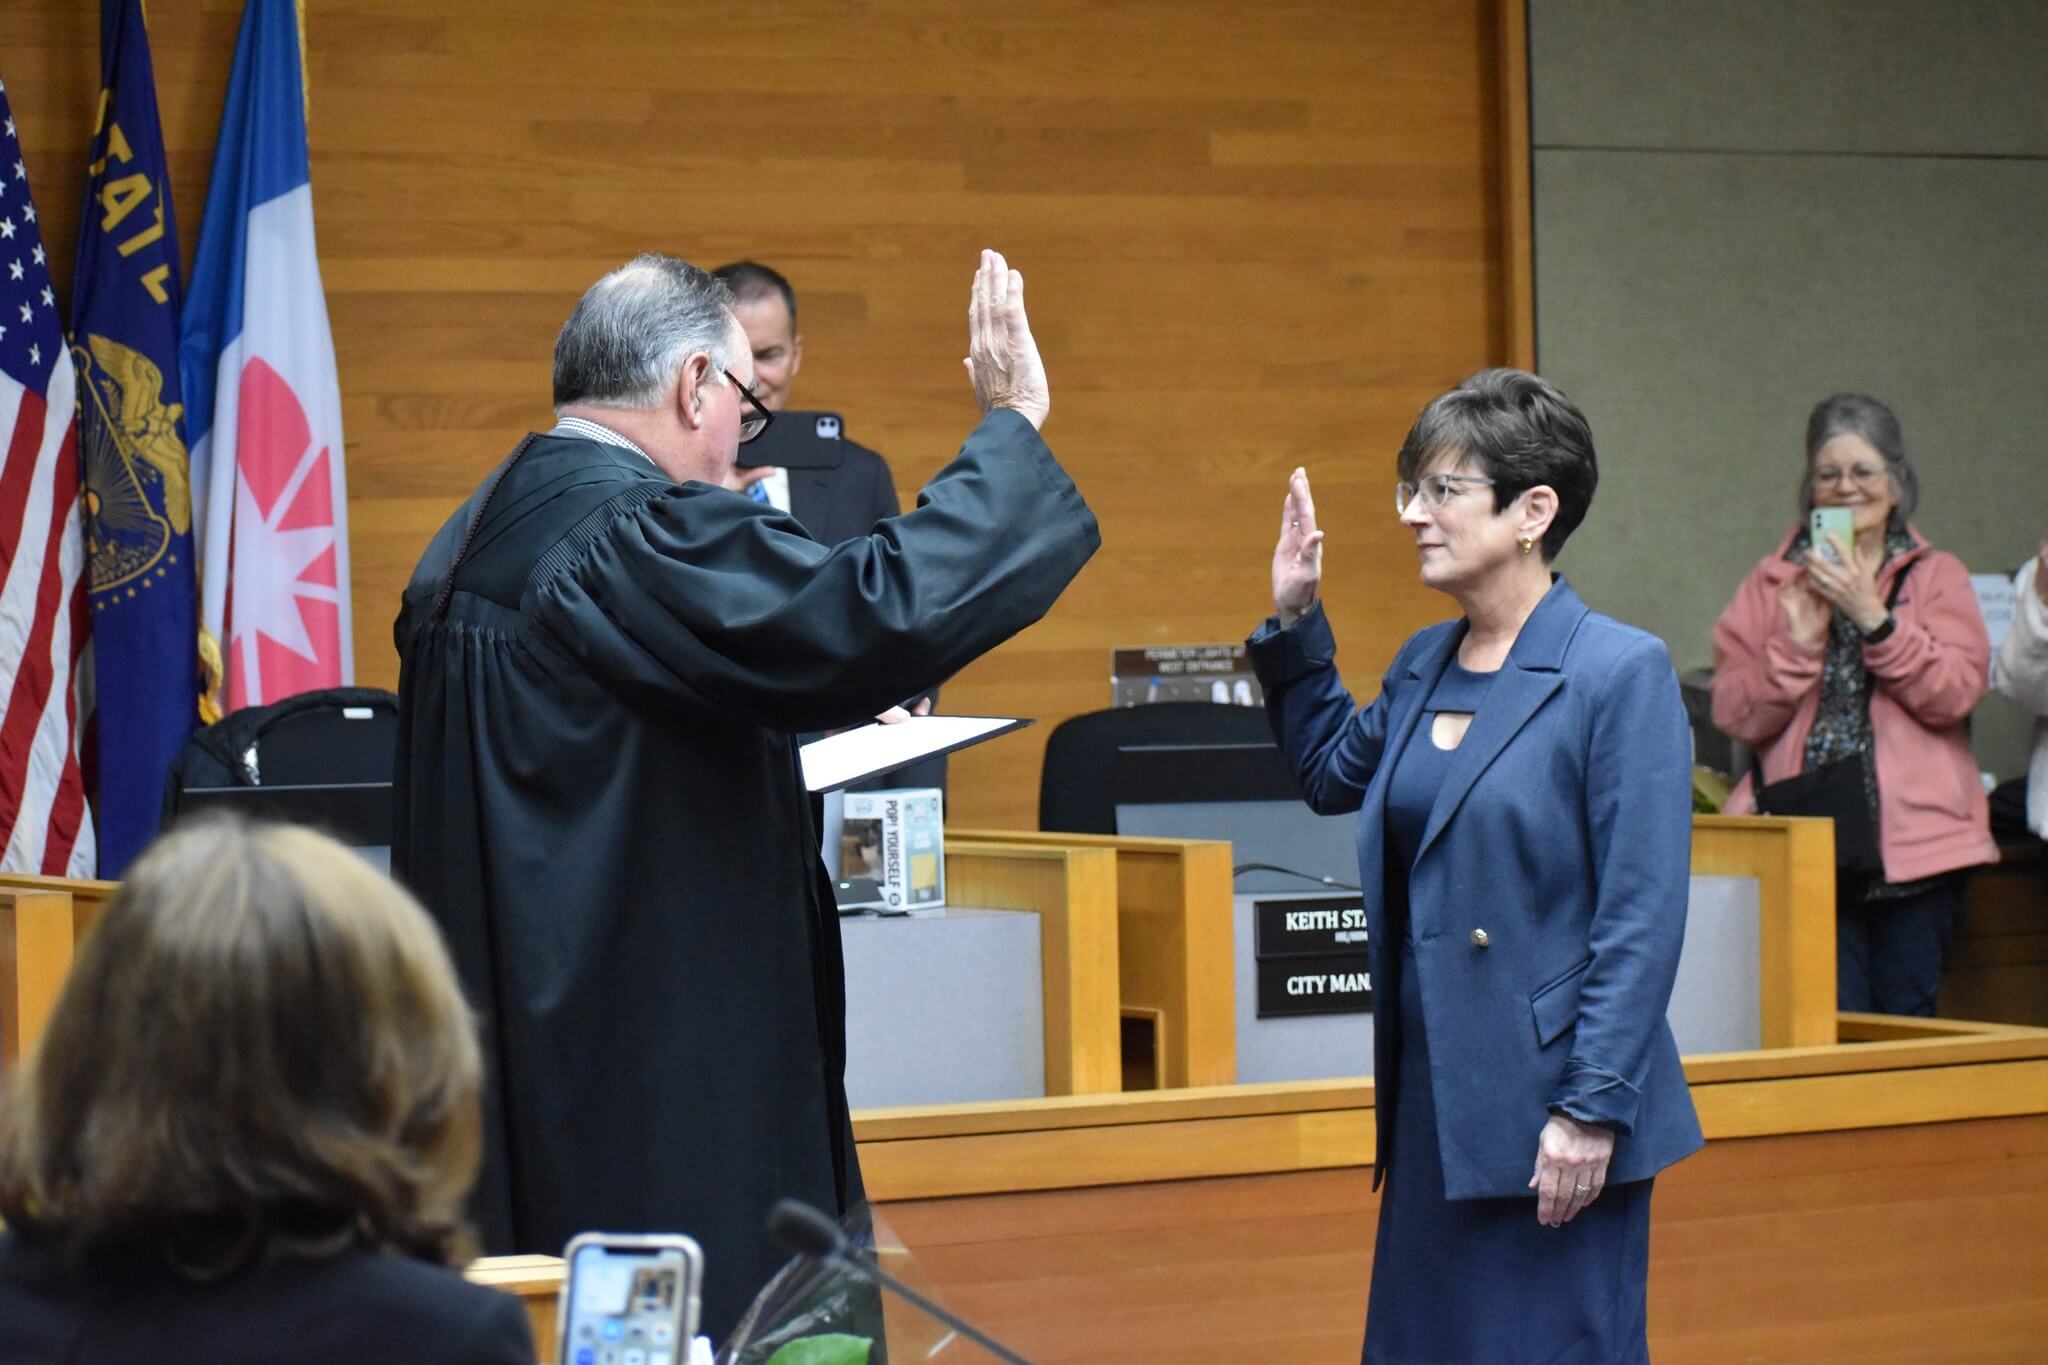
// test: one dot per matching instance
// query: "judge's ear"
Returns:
(796, 358)
(691, 382)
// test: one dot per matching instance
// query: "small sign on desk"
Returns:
(1311, 956)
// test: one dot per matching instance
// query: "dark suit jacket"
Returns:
(1549, 891)
(835, 505)
(838, 504)
(347, 1310)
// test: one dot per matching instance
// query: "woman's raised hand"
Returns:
(1298, 554)
(1806, 612)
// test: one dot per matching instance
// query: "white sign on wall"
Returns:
(1997, 598)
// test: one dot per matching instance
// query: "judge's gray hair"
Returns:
(633, 329)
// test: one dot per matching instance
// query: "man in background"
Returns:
(834, 504)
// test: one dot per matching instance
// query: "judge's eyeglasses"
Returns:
(756, 418)
(1433, 491)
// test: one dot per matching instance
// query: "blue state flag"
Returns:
(125, 301)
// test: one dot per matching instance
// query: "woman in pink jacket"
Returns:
(1818, 659)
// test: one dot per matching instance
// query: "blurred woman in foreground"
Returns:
(249, 1129)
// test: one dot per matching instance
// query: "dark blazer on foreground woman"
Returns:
(354, 1308)
(1562, 837)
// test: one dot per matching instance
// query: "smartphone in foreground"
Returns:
(630, 1299)
(1839, 522)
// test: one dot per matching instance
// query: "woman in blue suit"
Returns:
(1524, 836)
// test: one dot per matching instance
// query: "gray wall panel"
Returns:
(1697, 303)
(1697, 307)
(1925, 76)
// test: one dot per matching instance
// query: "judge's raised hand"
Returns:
(1571, 1168)
(1002, 358)
(1298, 554)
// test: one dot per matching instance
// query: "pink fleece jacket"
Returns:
(1930, 672)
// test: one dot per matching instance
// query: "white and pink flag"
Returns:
(270, 506)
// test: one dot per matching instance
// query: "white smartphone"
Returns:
(629, 1299)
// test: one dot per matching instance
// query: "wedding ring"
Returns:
(1580, 1189)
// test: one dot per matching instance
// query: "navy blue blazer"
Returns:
(348, 1309)
(1548, 894)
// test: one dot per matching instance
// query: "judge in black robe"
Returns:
(600, 797)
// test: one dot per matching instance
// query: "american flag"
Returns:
(43, 619)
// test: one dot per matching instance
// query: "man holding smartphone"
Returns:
(836, 498)
(839, 493)
(605, 657)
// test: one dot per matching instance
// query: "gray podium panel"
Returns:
(943, 1009)
(1716, 1003)
(1308, 1048)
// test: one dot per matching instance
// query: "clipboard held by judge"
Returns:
(867, 750)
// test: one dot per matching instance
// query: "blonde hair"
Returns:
(261, 1050)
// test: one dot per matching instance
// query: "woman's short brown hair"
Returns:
(1520, 431)
(261, 1051)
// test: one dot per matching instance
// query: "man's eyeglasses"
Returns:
(1832, 476)
(1434, 491)
(755, 421)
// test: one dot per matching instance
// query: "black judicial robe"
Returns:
(600, 801)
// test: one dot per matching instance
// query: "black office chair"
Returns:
(339, 735)
(1076, 786)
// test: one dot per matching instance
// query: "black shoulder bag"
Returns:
(1833, 791)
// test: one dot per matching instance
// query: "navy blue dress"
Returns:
(1480, 1280)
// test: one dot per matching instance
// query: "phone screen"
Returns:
(628, 1305)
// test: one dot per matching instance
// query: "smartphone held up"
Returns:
(1829, 524)
(630, 1299)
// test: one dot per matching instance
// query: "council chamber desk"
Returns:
(1872, 1187)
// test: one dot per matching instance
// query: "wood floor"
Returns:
(1920, 1244)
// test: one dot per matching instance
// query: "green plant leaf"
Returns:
(833, 1349)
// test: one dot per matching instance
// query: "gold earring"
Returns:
(1527, 544)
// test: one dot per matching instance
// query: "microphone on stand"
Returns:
(805, 1231)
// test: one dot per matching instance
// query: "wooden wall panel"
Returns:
(1900, 1244)
(1255, 237)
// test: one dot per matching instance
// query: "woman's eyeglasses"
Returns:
(1434, 491)
(1833, 476)
(755, 421)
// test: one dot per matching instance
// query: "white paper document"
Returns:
(837, 760)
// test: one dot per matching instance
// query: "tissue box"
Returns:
(896, 838)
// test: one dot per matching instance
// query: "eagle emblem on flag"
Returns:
(137, 476)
